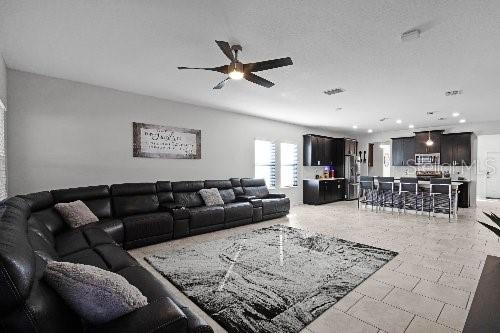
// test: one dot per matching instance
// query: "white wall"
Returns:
(63, 133)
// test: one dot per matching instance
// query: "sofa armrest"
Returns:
(256, 202)
(178, 212)
(162, 315)
(276, 196)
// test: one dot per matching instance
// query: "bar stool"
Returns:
(440, 189)
(386, 186)
(409, 185)
(367, 194)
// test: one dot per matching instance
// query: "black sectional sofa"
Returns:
(130, 215)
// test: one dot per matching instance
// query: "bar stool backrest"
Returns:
(408, 184)
(366, 183)
(441, 186)
(386, 183)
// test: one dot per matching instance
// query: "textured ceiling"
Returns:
(136, 45)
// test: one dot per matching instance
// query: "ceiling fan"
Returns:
(237, 70)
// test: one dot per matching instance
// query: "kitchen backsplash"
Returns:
(455, 171)
(308, 172)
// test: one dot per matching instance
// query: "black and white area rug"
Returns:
(275, 279)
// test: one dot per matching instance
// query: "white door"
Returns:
(493, 175)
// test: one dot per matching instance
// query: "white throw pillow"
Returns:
(75, 213)
(211, 197)
(96, 295)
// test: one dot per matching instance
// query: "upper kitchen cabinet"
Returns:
(456, 149)
(403, 151)
(324, 151)
(314, 150)
(421, 138)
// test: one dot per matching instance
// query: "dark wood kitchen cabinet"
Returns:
(324, 151)
(403, 151)
(318, 191)
(314, 150)
(456, 149)
(421, 138)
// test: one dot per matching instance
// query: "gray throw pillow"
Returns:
(75, 213)
(211, 196)
(94, 294)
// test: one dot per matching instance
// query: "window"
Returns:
(3, 162)
(289, 165)
(265, 161)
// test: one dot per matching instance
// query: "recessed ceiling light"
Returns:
(461, 121)
(411, 126)
(399, 121)
(455, 114)
(354, 126)
(370, 131)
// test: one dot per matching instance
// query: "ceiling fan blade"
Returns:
(226, 48)
(258, 80)
(220, 69)
(221, 84)
(268, 64)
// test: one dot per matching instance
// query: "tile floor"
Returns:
(428, 287)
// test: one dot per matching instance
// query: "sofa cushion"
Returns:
(273, 206)
(115, 257)
(255, 187)
(17, 260)
(97, 295)
(164, 192)
(211, 196)
(41, 207)
(85, 257)
(80, 239)
(186, 193)
(76, 213)
(206, 216)
(113, 227)
(236, 184)
(237, 211)
(147, 225)
(225, 189)
(134, 198)
(97, 198)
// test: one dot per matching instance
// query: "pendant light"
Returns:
(429, 141)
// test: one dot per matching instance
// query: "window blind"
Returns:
(265, 161)
(3, 162)
(289, 164)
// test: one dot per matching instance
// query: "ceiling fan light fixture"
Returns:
(236, 75)
(236, 71)
(429, 141)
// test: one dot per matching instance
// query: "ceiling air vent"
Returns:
(334, 91)
(384, 119)
(453, 92)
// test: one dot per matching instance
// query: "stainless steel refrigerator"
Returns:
(351, 173)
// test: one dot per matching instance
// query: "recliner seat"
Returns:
(273, 205)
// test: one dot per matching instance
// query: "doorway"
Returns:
(492, 175)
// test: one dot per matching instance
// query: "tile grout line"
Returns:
(407, 311)
(439, 315)
(411, 321)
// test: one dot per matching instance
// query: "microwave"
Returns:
(421, 159)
